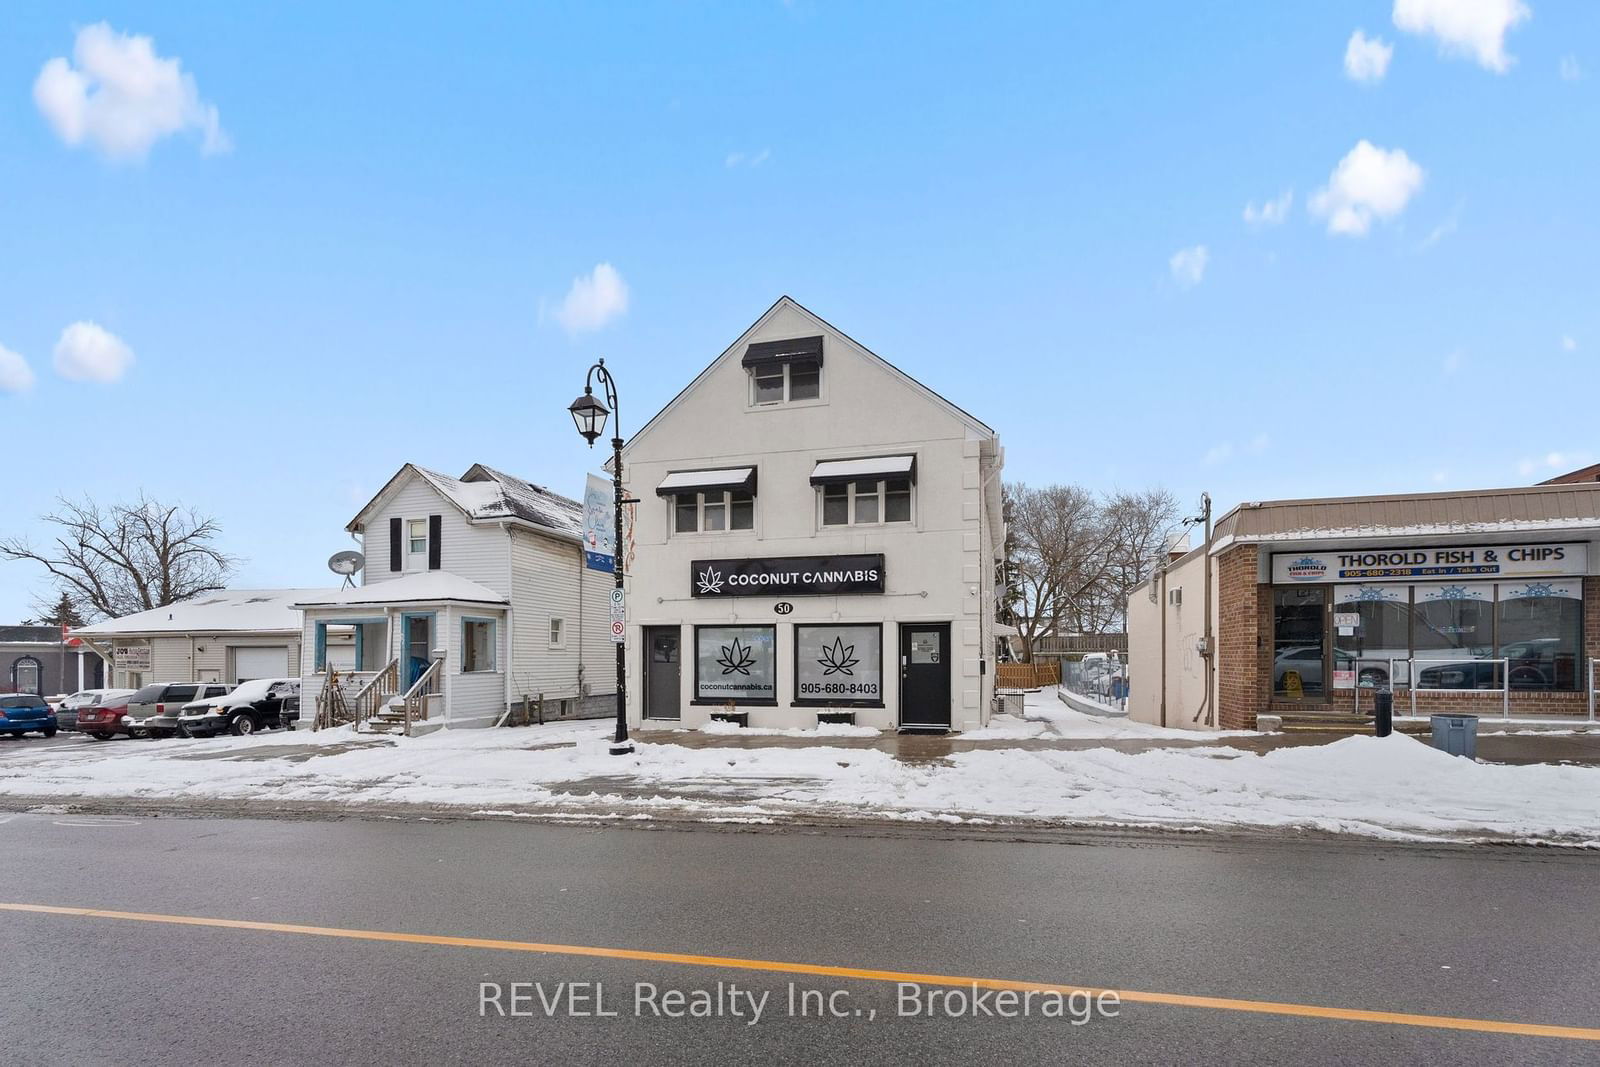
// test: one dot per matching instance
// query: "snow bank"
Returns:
(1393, 787)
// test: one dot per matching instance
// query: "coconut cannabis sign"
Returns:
(787, 576)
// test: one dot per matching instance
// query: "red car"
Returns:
(103, 720)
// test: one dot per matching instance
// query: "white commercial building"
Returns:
(816, 538)
(231, 635)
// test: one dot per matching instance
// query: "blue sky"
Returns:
(352, 242)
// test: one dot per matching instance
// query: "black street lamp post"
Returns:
(590, 416)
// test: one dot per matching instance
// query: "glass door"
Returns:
(1299, 643)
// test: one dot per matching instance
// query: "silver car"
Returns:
(153, 711)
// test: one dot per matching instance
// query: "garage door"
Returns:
(249, 663)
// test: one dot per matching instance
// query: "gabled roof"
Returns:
(1524, 509)
(424, 587)
(226, 611)
(736, 351)
(484, 494)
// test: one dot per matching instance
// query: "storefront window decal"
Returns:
(839, 664)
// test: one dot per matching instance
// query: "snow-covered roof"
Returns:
(226, 611)
(424, 587)
(484, 494)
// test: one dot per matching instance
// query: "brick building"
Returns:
(1484, 601)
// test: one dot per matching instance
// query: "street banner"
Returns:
(599, 525)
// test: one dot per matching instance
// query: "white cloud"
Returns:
(1368, 183)
(121, 97)
(1559, 462)
(87, 352)
(1218, 453)
(1366, 59)
(1474, 28)
(15, 374)
(1570, 69)
(593, 300)
(741, 159)
(1569, 343)
(1188, 266)
(1270, 212)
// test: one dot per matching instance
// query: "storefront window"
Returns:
(838, 665)
(736, 663)
(1452, 628)
(1297, 642)
(1541, 634)
(1381, 633)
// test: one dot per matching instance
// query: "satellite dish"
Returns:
(346, 564)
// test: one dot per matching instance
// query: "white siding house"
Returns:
(474, 597)
(816, 541)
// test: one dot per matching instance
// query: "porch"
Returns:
(407, 655)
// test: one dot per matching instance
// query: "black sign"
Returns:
(783, 607)
(787, 576)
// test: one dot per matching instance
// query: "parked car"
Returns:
(67, 710)
(22, 713)
(103, 720)
(153, 710)
(263, 704)
(1307, 660)
(1460, 674)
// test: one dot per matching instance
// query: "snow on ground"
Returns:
(822, 729)
(1064, 721)
(1395, 787)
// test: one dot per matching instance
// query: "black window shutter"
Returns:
(435, 531)
(394, 544)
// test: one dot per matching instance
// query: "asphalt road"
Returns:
(1486, 934)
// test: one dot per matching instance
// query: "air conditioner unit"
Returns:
(1175, 597)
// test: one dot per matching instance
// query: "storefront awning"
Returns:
(834, 471)
(737, 479)
(788, 351)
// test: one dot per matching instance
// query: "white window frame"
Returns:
(414, 554)
(786, 398)
(883, 504)
(556, 631)
(726, 501)
(494, 645)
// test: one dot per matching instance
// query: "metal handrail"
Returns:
(1504, 688)
(1389, 664)
(1592, 664)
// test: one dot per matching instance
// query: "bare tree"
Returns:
(1072, 558)
(1060, 540)
(119, 559)
(1139, 523)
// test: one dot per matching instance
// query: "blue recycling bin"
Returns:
(1455, 734)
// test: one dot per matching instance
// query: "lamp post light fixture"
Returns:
(589, 414)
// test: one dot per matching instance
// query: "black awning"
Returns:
(839, 471)
(737, 479)
(766, 352)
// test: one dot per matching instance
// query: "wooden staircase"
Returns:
(396, 713)
(1327, 723)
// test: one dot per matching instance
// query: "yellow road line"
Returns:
(1265, 1007)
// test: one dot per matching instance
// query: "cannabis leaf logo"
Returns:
(709, 581)
(736, 659)
(838, 658)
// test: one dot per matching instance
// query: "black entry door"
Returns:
(925, 676)
(663, 671)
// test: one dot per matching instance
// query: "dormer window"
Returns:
(783, 372)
